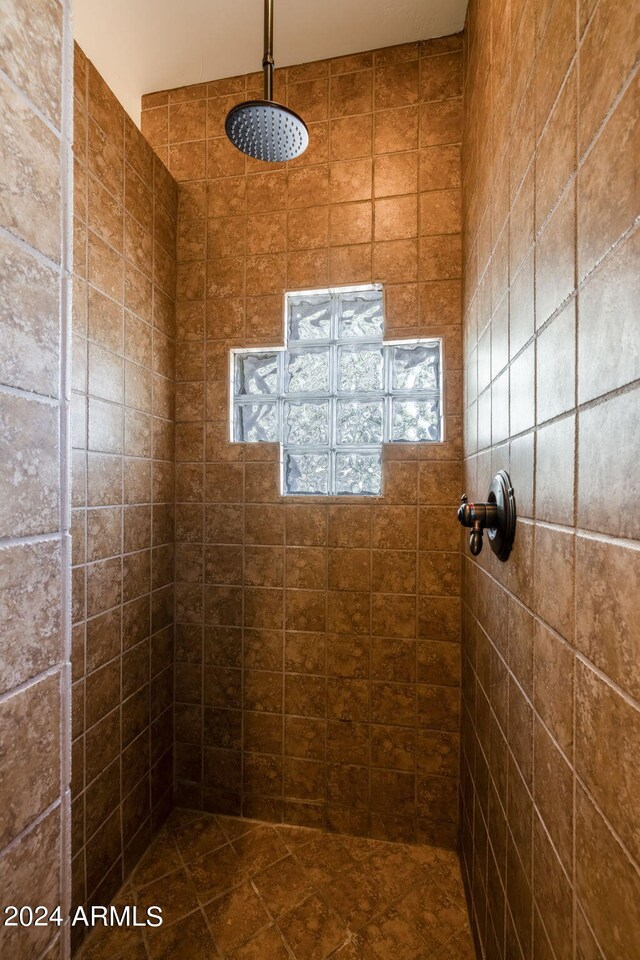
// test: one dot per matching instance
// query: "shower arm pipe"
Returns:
(267, 59)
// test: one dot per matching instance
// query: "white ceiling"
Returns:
(144, 45)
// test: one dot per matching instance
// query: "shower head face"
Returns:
(266, 130)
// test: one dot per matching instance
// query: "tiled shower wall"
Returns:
(35, 211)
(123, 489)
(550, 818)
(317, 673)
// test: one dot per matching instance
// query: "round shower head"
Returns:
(266, 130)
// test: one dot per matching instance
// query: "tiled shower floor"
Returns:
(258, 891)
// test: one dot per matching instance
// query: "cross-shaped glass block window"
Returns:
(336, 392)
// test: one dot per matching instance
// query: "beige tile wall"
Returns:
(551, 684)
(317, 673)
(123, 489)
(35, 227)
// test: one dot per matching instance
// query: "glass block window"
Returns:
(336, 392)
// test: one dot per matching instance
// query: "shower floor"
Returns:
(248, 890)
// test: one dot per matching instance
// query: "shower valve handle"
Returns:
(477, 516)
(497, 516)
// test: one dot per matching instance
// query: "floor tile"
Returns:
(189, 939)
(357, 947)
(394, 871)
(312, 930)
(323, 858)
(236, 917)
(432, 913)
(260, 848)
(360, 847)
(236, 826)
(217, 872)
(391, 937)
(297, 836)
(198, 837)
(459, 947)
(174, 893)
(246, 890)
(268, 945)
(441, 866)
(113, 943)
(283, 885)
(355, 895)
(162, 857)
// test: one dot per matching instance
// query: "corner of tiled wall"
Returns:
(35, 249)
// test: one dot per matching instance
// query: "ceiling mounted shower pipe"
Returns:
(268, 63)
(264, 129)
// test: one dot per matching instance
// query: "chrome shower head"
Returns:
(264, 129)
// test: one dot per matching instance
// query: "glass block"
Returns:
(306, 472)
(307, 371)
(310, 318)
(416, 367)
(255, 422)
(360, 368)
(306, 422)
(256, 373)
(360, 421)
(361, 315)
(415, 420)
(359, 474)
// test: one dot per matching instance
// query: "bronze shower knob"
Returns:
(497, 516)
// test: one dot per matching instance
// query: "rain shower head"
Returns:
(264, 129)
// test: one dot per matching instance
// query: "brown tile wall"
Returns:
(123, 489)
(551, 679)
(35, 253)
(317, 673)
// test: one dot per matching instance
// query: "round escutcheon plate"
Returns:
(501, 536)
